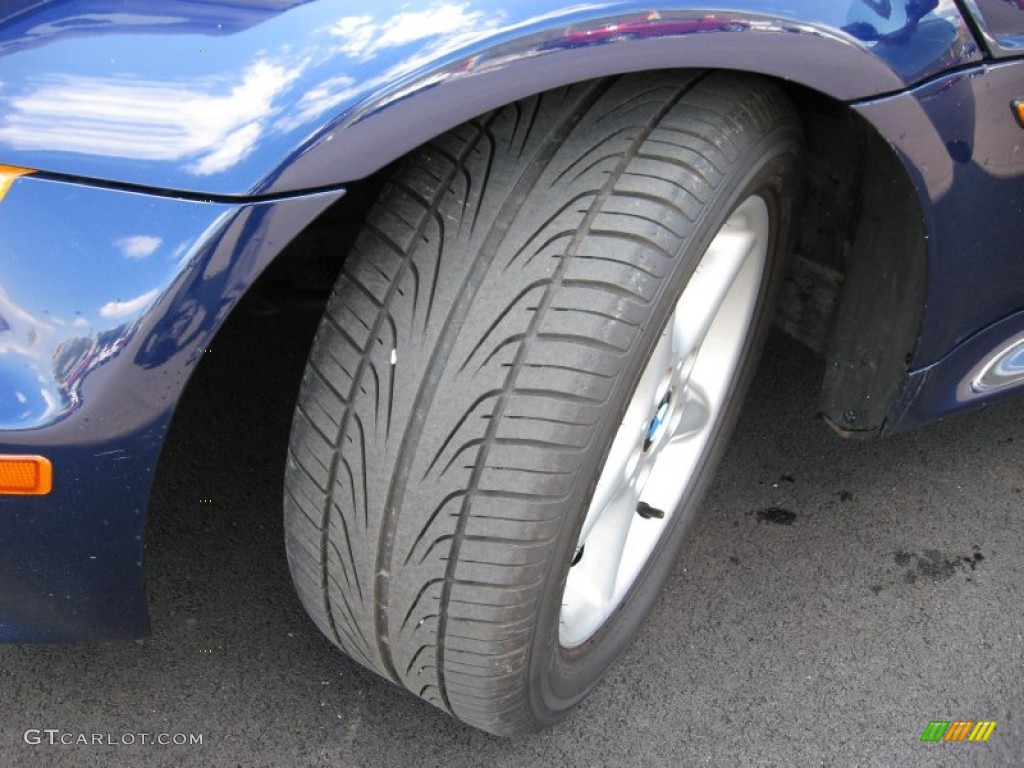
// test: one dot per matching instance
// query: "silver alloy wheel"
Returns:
(668, 423)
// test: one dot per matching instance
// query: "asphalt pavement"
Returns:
(833, 598)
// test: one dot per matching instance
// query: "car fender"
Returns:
(108, 300)
(230, 99)
(171, 140)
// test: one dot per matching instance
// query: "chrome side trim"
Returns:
(1002, 369)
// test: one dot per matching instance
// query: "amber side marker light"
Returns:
(8, 173)
(25, 475)
(1018, 110)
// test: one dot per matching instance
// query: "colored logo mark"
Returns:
(958, 730)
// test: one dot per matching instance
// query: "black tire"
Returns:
(473, 364)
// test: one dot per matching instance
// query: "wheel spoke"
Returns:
(604, 545)
(700, 302)
(694, 414)
(653, 383)
(624, 452)
(581, 603)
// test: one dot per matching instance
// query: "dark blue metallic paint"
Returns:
(1001, 23)
(108, 299)
(945, 387)
(235, 98)
(964, 151)
(771, 43)
(107, 295)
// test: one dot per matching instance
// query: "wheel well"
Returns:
(855, 289)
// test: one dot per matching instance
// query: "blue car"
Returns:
(585, 219)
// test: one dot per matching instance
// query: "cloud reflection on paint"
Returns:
(148, 120)
(363, 37)
(138, 246)
(446, 27)
(118, 308)
(211, 123)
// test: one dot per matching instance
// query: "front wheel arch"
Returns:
(480, 352)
